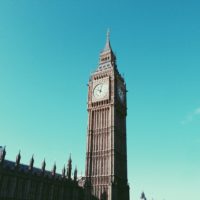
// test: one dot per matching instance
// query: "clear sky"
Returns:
(48, 48)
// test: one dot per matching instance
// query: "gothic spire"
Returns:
(2, 154)
(107, 57)
(63, 172)
(31, 163)
(143, 196)
(69, 167)
(18, 158)
(75, 174)
(53, 172)
(107, 46)
(43, 166)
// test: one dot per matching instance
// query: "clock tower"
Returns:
(106, 156)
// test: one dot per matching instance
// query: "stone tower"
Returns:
(106, 157)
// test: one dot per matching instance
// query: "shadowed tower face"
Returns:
(106, 157)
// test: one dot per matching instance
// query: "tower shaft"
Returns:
(106, 157)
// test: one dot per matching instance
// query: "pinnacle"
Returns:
(107, 46)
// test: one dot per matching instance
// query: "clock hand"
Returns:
(98, 91)
(101, 89)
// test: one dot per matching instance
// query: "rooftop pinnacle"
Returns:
(107, 46)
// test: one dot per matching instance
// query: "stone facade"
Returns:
(106, 158)
(25, 182)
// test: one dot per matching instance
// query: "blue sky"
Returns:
(48, 50)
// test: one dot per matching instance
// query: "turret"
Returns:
(18, 158)
(143, 196)
(31, 163)
(53, 172)
(75, 174)
(43, 166)
(2, 155)
(63, 172)
(69, 167)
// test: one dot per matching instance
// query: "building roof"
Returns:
(25, 169)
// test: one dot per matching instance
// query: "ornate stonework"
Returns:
(25, 182)
(106, 157)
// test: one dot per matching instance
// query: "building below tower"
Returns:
(25, 182)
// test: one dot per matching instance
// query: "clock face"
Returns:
(100, 90)
(120, 94)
